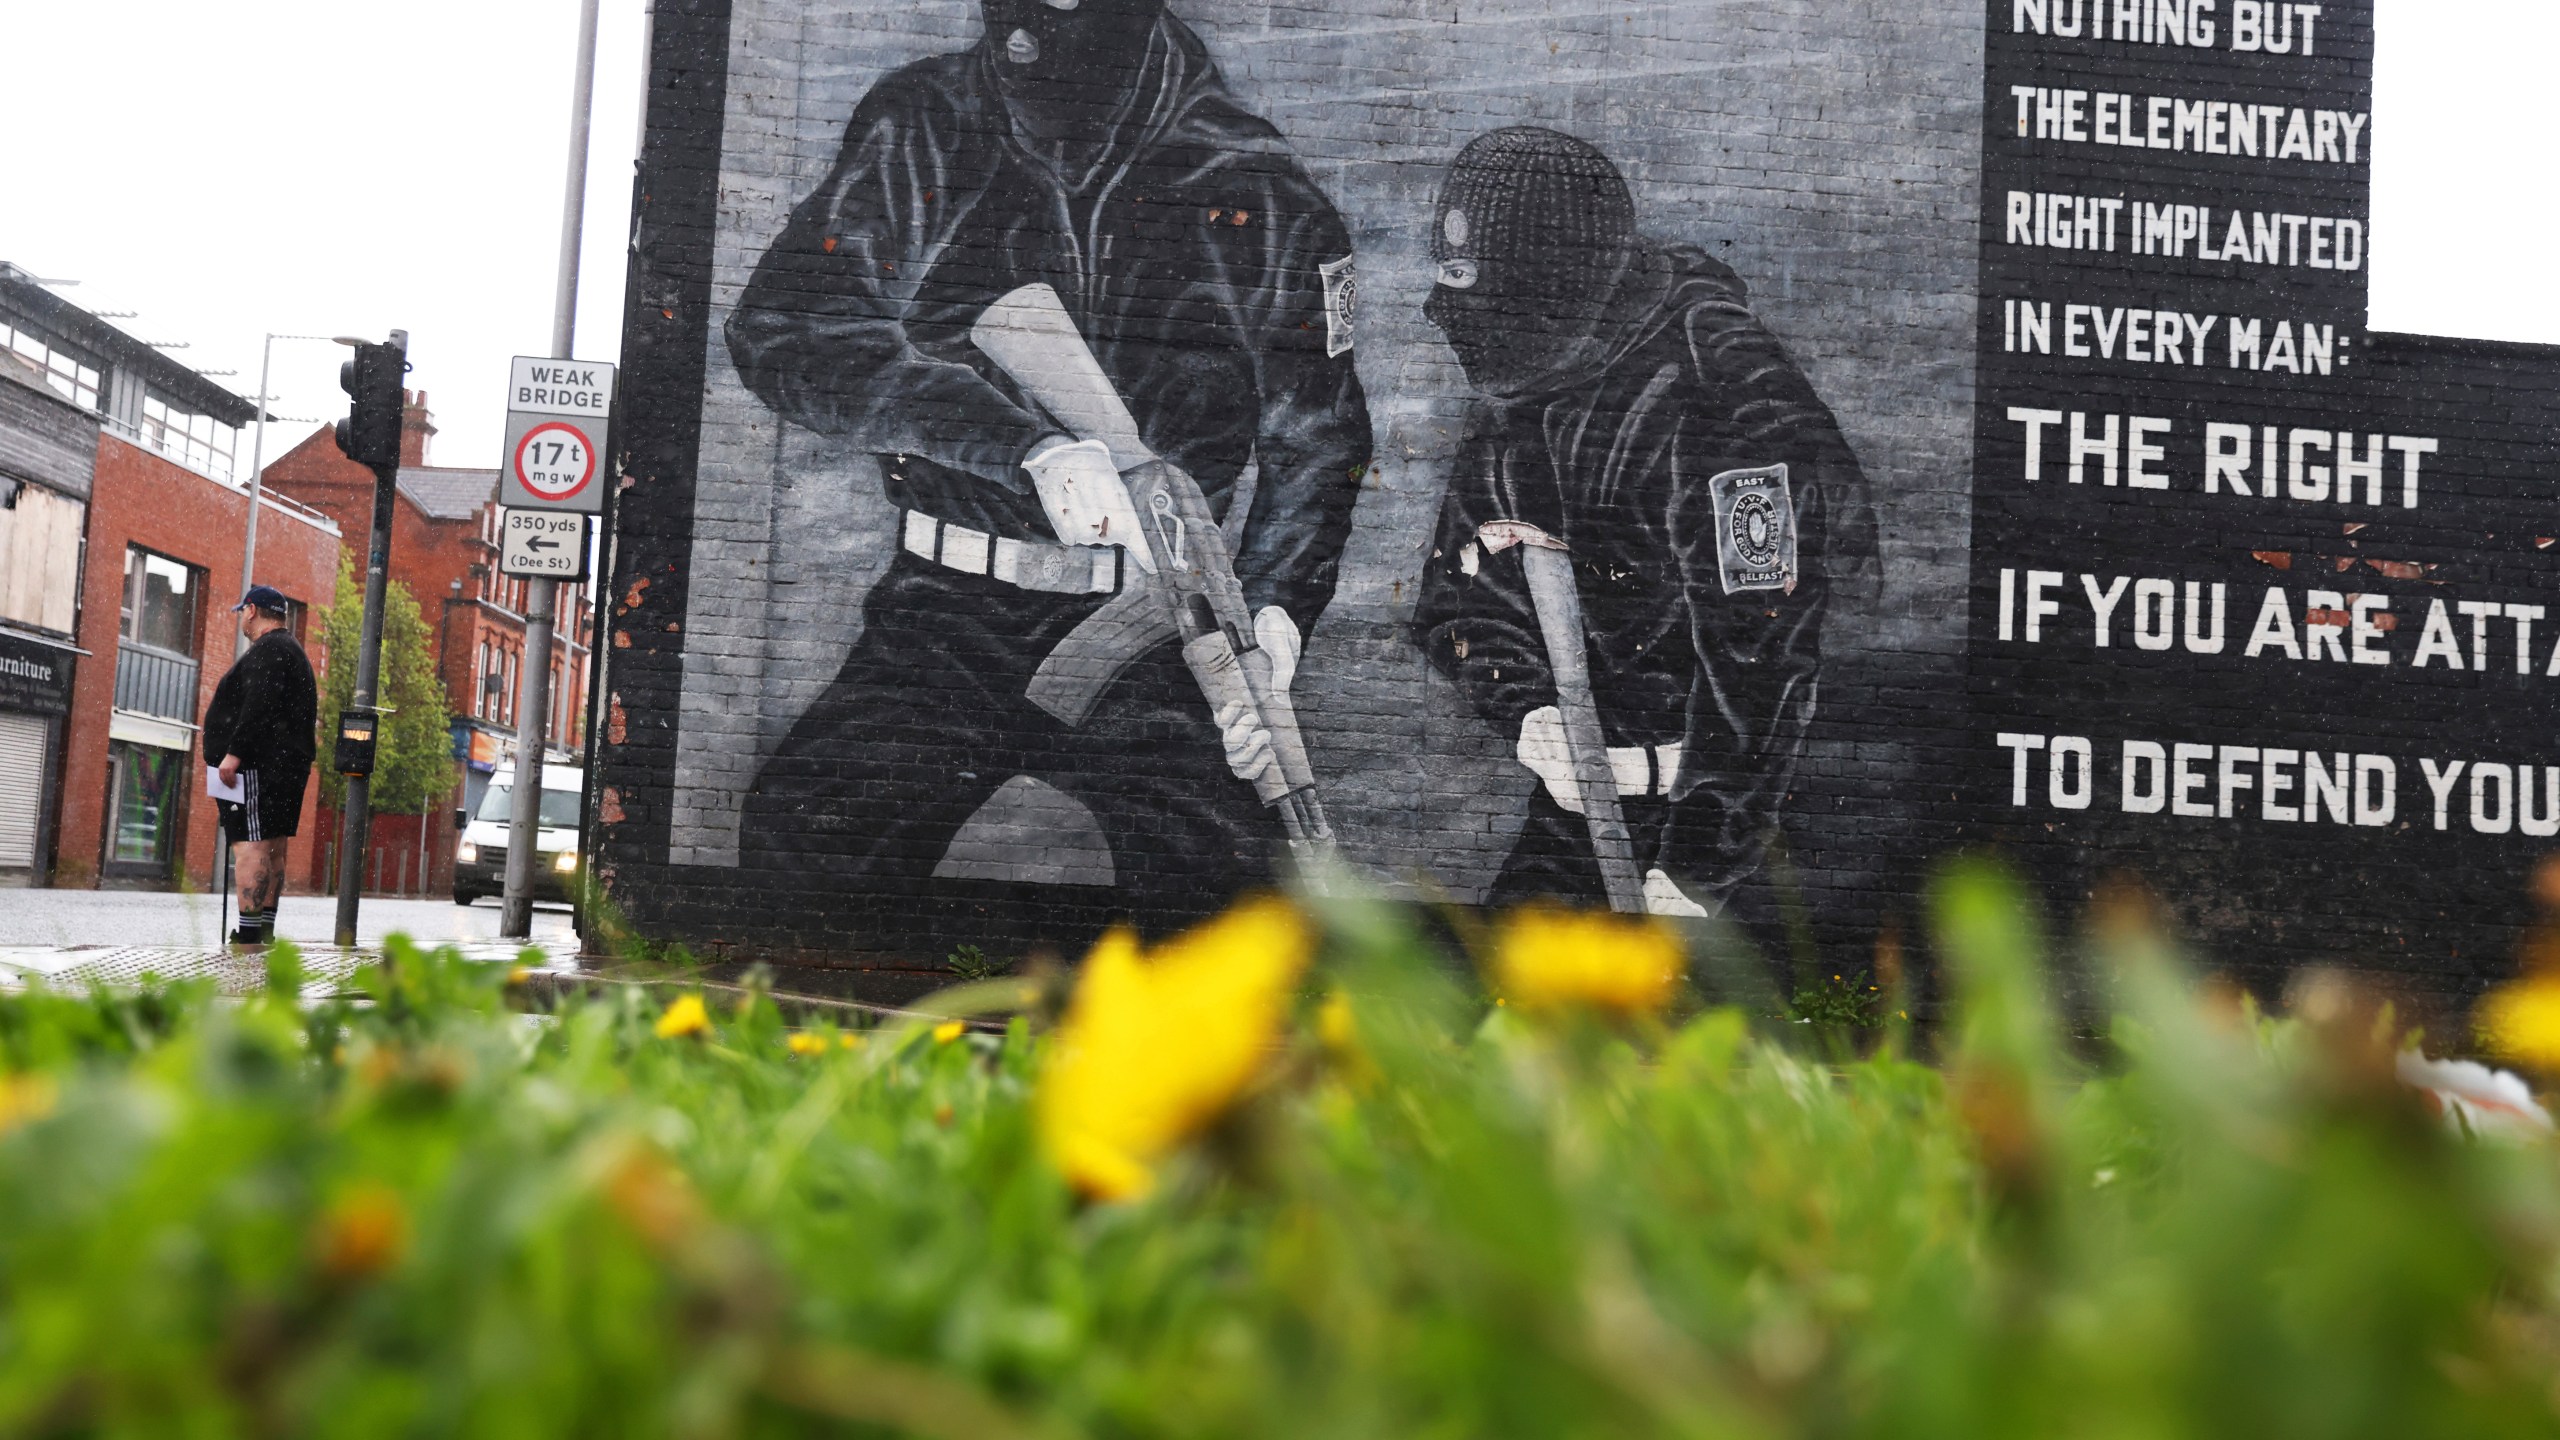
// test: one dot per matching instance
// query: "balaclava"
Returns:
(1533, 231)
(1067, 68)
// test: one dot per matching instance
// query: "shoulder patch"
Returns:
(1341, 303)
(1755, 529)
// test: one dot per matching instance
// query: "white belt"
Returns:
(1643, 770)
(1030, 564)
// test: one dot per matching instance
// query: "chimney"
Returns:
(417, 424)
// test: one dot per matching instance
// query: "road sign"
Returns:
(543, 545)
(557, 415)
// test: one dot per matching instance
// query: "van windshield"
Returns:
(559, 807)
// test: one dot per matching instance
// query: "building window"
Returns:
(507, 713)
(72, 376)
(198, 442)
(146, 801)
(162, 602)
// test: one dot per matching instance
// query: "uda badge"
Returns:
(1755, 529)
(1341, 302)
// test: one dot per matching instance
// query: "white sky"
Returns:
(332, 167)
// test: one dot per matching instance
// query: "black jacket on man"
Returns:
(266, 710)
(1196, 257)
(1613, 453)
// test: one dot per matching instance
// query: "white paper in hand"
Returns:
(214, 787)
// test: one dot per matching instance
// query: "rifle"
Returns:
(1559, 606)
(1193, 597)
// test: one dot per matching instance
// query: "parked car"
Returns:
(480, 858)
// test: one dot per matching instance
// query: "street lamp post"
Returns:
(258, 464)
(524, 828)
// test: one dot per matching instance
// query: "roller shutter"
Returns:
(21, 787)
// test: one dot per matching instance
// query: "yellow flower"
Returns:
(364, 1232)
(2522, 1022)
(1153, 1049)
(1558, 959)
(25, 1099)
(518, 974)
(948, 1031)
(849, 1040)
(1336, 1026)
(685, 1017)
(804, 1043)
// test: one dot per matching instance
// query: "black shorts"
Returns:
(269, 808)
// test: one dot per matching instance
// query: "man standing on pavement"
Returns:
(260, 732)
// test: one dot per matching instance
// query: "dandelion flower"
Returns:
(1336, 1026)
(364, 1232)
(2522, 1022)
(804, 1043)
(1557, 959)
(24, 1099)
(948, 1031)
(849, 1040)
(685, 1017)
(1155, 1048)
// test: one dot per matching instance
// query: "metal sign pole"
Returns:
(356, 818)
(524, 827)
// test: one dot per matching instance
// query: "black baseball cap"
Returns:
(264, 597)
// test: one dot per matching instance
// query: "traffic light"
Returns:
(370, 435)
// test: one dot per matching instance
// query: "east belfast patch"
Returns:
(1755, 529)
(1341, 304)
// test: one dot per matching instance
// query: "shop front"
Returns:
(35, 699)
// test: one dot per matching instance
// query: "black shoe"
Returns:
(245, 938)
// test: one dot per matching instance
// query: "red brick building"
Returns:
(131, 570)
(444, 549)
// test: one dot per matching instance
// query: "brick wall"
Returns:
(1855, 169)
(141, 499)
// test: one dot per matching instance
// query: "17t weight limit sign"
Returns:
(557, 412)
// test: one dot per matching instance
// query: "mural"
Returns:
(1143, 449)
(1092, 320)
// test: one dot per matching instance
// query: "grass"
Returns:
(428, 1212)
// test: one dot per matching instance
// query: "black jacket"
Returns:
(1615, 455)
(1188, 244)
(267, 709)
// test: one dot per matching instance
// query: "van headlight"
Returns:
(467, 853)
(566, 862)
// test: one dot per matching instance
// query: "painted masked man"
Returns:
(1636, 419)
(1091, 147)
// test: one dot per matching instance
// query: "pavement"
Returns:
(118, 936)
(153, 917)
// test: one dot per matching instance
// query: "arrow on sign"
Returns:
(539, 542)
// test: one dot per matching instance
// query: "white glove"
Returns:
(1543, 750)
(1088, 504)
(1248, 745)
(1663, 896)
(1277, 635)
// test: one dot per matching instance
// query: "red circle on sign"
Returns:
(554, 461)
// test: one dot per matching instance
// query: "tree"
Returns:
(413, 748)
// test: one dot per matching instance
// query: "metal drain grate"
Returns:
(82, 967)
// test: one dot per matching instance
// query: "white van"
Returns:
(480, 859)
